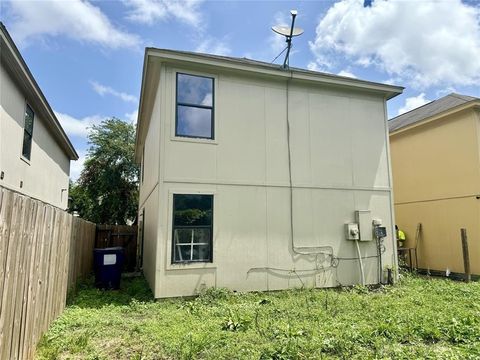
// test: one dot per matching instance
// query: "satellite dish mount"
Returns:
(289, 33)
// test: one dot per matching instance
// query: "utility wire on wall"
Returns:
(289, 33)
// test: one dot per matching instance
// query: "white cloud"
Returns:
(132, 117)
(413, 103)
(347, 74)
(277, 41)
(208, 99)
(76, 167)
(195, 122)
(317, 65)
(76, 19)
(313, 66)
(213, 46)
(147, 11)
(78, 127)
(445, 91)
(426, 43)
(393, 81)
(103, 90)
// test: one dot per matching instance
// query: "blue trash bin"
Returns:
(108, 266)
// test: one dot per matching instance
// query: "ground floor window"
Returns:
(28, 132)
(192, 228)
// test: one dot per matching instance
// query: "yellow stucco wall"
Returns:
(436, 178)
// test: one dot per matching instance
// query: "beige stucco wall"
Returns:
(47, 172)
(339, 165)
(149, 194)
(436, 173)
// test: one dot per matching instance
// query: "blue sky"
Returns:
(87, 56)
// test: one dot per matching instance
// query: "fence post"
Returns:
(466, 257)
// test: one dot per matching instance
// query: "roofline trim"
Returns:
(172, 56)
(231, 63)
(54, 123)
(470, 104)
(140, 109)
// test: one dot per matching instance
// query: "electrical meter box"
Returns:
(352, 232)
(364, 221)
(380, 232)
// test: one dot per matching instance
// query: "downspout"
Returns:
(390, 185)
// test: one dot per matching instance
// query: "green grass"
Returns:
(417, 319)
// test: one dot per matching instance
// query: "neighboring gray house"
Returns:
(35, 152)
(250, 174)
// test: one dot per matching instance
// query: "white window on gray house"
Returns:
(27, 132)
(192, 228)
(194, 112)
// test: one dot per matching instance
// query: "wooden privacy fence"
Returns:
(119, 235)
(43, 251)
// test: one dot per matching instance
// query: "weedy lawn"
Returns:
(418, 318)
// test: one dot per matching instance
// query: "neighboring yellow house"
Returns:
(435, 151)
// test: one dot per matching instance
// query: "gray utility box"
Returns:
(362, 229)
(352, 232)
(364, 221)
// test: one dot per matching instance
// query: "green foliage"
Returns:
(236, 321)
(213, 295)
(107, 190)
(233, 325)
(192, 216)
(417, 319)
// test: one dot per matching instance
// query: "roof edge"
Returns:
(461, 107)
(265, 68)
(172, 56)
(137, 154)
(54, 123)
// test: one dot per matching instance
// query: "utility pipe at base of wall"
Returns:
(360, 262)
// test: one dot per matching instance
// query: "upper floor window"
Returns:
(28, 132)
(194, 113)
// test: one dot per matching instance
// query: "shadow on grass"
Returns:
(86, 295)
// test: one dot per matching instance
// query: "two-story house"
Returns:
(251, 173)
(35, 152)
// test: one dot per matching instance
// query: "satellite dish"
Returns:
(289, 33)
(285, 30)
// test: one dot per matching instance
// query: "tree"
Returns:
(107, 189)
